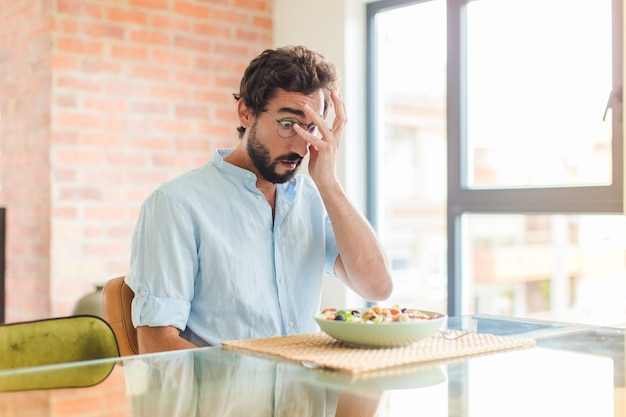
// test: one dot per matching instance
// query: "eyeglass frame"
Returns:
(310, 127)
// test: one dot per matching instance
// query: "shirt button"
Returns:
(282, 280)
(249, 175)
(143, 293)
(258, 197)
(291, 323)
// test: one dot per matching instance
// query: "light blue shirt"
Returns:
(209, 258)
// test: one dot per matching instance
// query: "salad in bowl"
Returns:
(379, 326)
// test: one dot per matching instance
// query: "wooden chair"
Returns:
(31, 352)
(116, 302)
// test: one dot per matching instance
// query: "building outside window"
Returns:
(495, 155)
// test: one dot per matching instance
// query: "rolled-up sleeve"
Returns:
(164, 264)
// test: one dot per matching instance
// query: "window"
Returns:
(495, 152)
(409, 161)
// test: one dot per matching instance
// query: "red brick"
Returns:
(212, 63)
(102, 212)
(79, 8)
(115, 14)
(232, 16)
(213, 130)
(153, 73)
(150, 107)
(258, 5)
(119, 231)
(194, 145)
(79, 46)
(174, 161)
(65, 175)
(153, 4)
(230, 83)
(193, 43)
(117, 268)
(60, 136)
(152, 144)
(75, 157)
(106, 249)
(192, 111)
(79, 194)
(217, 2)
(105, 104)
(102, 140)
(224, 114)
(127, 88)
(150, 178)
(261, 22)
(95, 232)
(169, 22)
(252, 36)
(80, 84)
(113, 175)
(102, 66)
(230, 50)
(129, 52)
(107, 30)
(193, 78)
(170, 93)
(127, 124)
(64, 25)
(78, 120)
(166, 56)
(213, 30)
(151, 37)
(192, 10)
(126, 160)
(172, 126)
(65, 63)
(214, 97)
(61, 212)
(66, 100)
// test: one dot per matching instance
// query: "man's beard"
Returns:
(260, 156)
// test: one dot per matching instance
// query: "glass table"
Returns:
(574, 370)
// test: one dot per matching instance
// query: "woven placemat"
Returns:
(327, 352)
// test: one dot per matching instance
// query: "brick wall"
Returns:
(101, 101)
(25, 91)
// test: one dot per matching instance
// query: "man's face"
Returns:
(275, 157)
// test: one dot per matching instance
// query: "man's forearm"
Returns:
(362, 264)
(160, 339)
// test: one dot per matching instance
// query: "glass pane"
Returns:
(560, 267)
(538, 79)
(411, 81)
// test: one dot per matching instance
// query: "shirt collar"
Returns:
(218, 160)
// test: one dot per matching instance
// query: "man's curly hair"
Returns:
(290, 68)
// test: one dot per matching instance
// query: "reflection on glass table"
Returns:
(222, 383)
(573, 370)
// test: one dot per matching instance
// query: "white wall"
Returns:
(336, 29)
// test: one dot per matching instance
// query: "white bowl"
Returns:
(385, 334)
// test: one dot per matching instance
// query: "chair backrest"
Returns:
(25, 346)
(116, 304)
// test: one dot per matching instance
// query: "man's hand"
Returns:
(323, 150)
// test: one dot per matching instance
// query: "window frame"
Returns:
(588, 199)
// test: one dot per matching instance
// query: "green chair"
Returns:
(32, 353)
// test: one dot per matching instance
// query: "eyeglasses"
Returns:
(285, 129)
